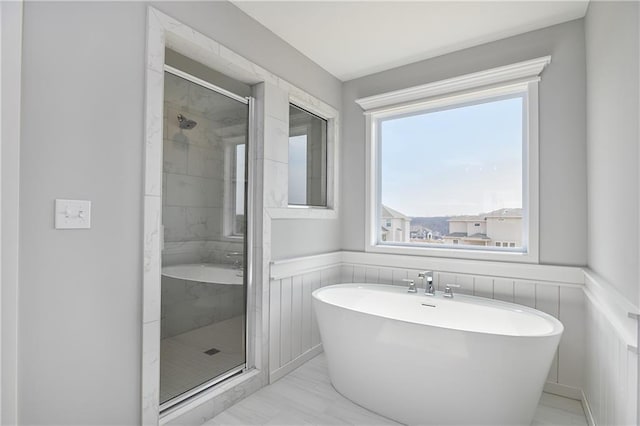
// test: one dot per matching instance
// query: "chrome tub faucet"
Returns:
(427, 280)
(237, 258)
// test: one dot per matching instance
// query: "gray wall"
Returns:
(10, 71)
(304, 237)
(612, 143)
(563, 203)
(82, 133)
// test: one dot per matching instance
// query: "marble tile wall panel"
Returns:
(187, 252)
(174, 155)
(188, 305)
(205, 162)
(176, 90)
(194, 159)
(183, 224)
(193, 191)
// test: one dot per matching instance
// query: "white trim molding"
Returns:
(332, 116)
(514, 73)
(570, 276)
(621, 314)
(302, 265)
(519, 79)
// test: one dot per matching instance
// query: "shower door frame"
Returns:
(248, 240)
(165, 32)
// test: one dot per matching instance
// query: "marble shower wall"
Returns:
(189, 305)
(194, 173)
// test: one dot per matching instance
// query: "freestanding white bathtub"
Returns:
(424, 360)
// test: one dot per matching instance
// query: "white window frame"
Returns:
(519, 78)
(326, 112)
(305, 130)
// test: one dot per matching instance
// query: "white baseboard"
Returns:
(294, 363)
(563, 390)
(587, 410)
(573, 393)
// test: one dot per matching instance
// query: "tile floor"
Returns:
(184, 363)
(306, 397)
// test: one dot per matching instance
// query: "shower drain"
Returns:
(212, 351)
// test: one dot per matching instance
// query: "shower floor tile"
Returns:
(306, 397)
(184, 363)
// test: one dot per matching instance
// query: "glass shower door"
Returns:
(203, 302)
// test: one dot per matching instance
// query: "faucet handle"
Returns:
(412, 285)
(448, 290)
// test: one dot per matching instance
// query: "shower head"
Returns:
(185, 123)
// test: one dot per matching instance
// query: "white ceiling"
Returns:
(351, 39)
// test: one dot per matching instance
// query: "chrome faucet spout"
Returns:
(427, 280)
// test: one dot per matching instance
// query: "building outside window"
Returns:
(461, 166)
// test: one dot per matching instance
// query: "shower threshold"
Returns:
(189, 366)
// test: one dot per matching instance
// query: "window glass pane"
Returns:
(454, 173)
(298, 169)
(307, 158)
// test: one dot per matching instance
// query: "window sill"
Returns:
(303, 212)
(499, 256)
(233, 238)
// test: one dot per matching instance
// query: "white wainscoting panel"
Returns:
(292, 338)
(597, 360)
(544, 296)
(293, 331)
(611, 373)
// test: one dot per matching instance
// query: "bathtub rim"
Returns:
(177, 276)
(558, 327)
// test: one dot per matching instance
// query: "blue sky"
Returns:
(460, 161)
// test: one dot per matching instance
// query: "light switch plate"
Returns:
(73, 214)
